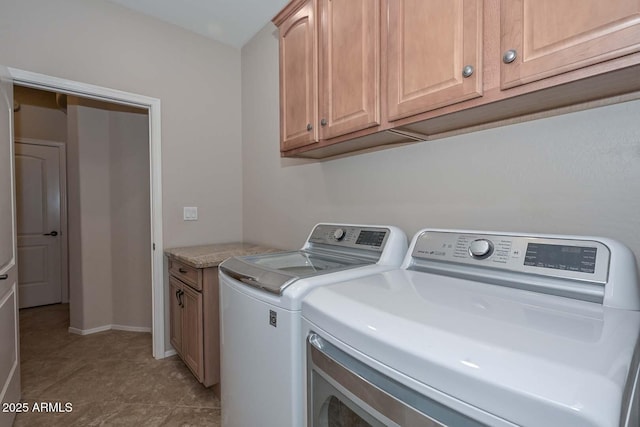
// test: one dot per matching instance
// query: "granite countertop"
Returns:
(212, 255)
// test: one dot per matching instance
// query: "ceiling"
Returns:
(232, 22)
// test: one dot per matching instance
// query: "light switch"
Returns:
(190, 213)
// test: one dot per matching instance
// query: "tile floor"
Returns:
(110, 378)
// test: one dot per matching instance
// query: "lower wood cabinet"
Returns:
(186, 326)
(194, 319)
(175, 314)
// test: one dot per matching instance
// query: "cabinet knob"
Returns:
(182, 270)
(309, 127)
(323, 122)
(509, 56)
(467, 71)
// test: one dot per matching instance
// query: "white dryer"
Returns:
(260, 298)
(477, 329)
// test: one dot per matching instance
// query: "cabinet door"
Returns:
(298, 79)
(192, 337)
(349, 66)
(551, 37)
(175, 314)
(429, 44)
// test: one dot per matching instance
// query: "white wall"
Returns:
(196, 79)
(577, 173)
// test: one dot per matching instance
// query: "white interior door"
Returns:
(38, 219)
(9, 348)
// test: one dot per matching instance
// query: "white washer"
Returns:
(480, 328)
(260, 341)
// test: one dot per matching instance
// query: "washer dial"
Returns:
(480, 248)
(339, 234)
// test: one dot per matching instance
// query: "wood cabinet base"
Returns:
(194, 320)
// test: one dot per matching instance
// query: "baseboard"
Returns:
(130, 328)
(108, 328)
(169, 353)
(89, 331)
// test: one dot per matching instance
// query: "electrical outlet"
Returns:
(190, 213)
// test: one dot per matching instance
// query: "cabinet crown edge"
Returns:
(291, 8)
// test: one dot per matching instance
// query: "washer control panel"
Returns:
(370, 238)
(586, 260)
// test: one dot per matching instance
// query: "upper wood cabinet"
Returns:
(349, 66)
(434, 54)
(298, 78)
(357, 74)
(544, 38)
(329, 69)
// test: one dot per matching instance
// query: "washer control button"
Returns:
(339, 234)
(480, 248)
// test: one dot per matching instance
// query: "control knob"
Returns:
(339, 234)
(480, 248)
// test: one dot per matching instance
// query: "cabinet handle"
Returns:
(309, 127)
(467, 71)
(509, 56)
(323, 122)
(4, 277)
(53, 233)
(179, 297)
(182, 270)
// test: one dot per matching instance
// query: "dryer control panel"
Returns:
(584, 260)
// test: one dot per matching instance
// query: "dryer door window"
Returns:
(343, 391)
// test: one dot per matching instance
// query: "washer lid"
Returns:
(329, 248)
(530, 358)
(274, 272)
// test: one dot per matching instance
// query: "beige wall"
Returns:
(90, 278)
(577, 173)
(196, 79)
(130, 218)
(39, 116)
(109, 217)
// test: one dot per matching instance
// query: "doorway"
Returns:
(152, 106)
(41, 202)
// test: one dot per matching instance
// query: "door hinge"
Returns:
(154, 246)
